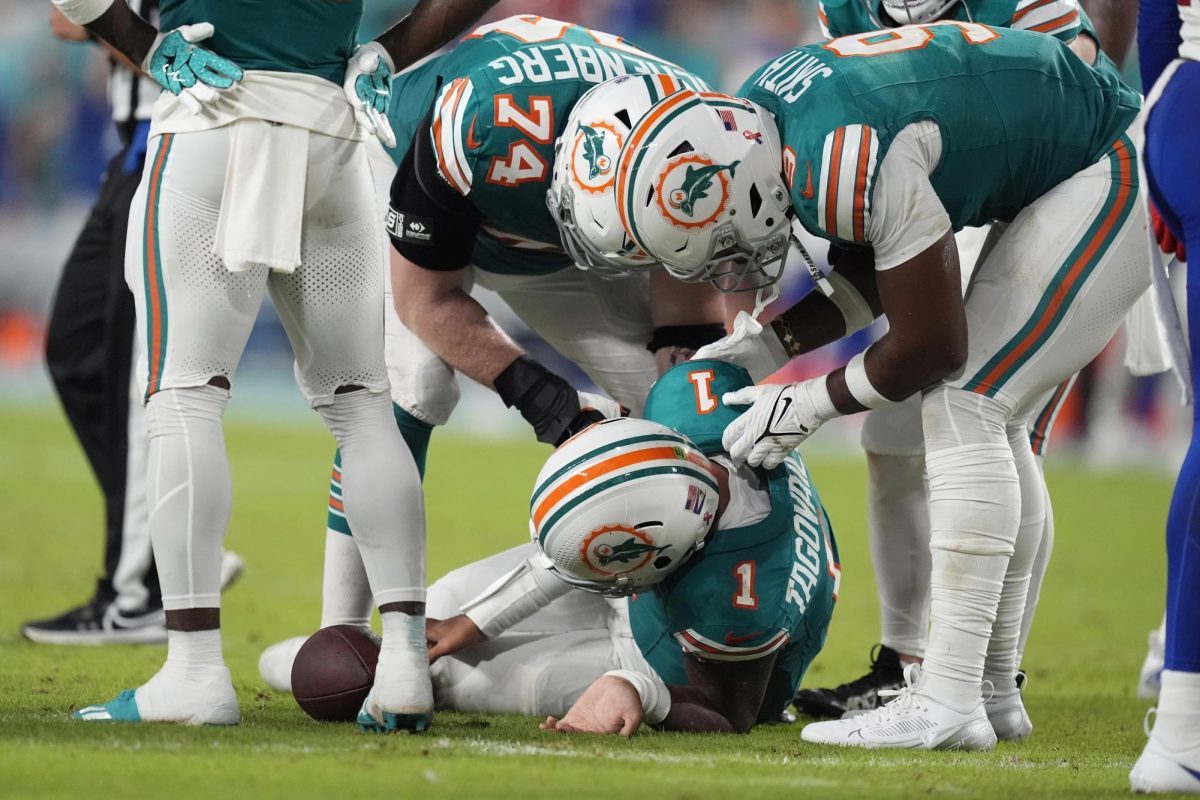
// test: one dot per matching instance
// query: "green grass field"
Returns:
(1103, 593)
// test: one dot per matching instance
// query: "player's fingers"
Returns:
(383, 129)
(743, 397)
(203, 92)
(629, 726)
(197, 33)
(735, 441)
(189, 101)
(551, 724)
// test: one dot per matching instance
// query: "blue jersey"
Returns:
(752, 591)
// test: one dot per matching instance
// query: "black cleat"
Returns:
(861, 694)
(99, 621)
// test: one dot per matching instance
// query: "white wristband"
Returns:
(82, 12)
(655, 697)
(860, 385)
(854, 307)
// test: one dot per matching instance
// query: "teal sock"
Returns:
(416, 435)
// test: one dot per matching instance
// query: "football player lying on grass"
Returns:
(735, 573)
(730, 572)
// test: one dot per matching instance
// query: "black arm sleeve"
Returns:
(430, 223)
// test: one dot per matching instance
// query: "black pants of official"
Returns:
(89, 353)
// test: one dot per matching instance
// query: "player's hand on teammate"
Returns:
(188, 71)
(780, 418)
(609, 705)
(448, 636)
(368, 87)
(751, 346)
(1166, 240)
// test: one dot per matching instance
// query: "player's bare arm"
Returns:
(121, 27)
(685, 316)
(1115, 21)
(436, 306)
(926, 339)
(430, 25)
(725, 696)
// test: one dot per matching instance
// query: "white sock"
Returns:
(189, 493)
(1040, 563)
(1177, 724)
(975, 515)
(1003, 647)
(193, 687)
(403, 632)
(898, 527)
(381, 490)
(345, 592)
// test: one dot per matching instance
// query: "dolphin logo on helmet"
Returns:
(593, 151)
(625, 552)
(696, 183)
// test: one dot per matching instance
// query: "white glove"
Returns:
(759, 353)
(608, 408)
(781, 416)
(191, 73)
(368, 87)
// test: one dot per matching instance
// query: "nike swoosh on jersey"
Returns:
(734, 640)
(807, 191)
(472, 142)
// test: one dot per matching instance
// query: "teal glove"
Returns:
(191, 73)
(368, 87)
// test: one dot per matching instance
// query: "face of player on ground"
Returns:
(621, 505)
(699, 187)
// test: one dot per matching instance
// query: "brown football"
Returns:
(333, 672)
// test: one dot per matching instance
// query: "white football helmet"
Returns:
(580, 197)
(621, 505)
(700, 188)
(917, 12)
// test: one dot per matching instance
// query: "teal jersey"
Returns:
(749, 592)
(1062, 19)
(500, 100)
(314, 37)
(1017, 111)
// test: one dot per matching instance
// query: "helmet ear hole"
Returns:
(623, 115)
(662, 562)
(755, 200)
(684, 147)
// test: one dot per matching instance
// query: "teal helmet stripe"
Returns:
(682, 468)
(588, 456)
(630, 199)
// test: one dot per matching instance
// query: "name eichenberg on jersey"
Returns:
(563, 62)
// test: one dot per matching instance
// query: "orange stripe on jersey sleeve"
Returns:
(448, 109)
(1069, 18)
(860, 185)
(831, 186)
(1031, 7)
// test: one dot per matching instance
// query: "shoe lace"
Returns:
(903, 700)
(1152, 711)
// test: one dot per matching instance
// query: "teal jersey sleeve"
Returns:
(766, 588)
(313, 38)
(1017, 111)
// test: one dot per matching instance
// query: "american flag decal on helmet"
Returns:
(727, 118)
(695, 499)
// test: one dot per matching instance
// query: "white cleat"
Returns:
(188, 697)
(402, 696)
(1160, 769)
(1008, 717)
(275, 663)
(1150, 678)
(910, 721)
